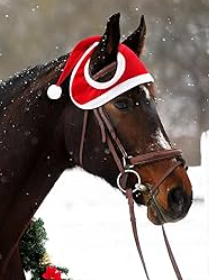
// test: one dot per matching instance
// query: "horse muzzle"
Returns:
(177, 206)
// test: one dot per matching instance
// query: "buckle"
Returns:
(126, 163)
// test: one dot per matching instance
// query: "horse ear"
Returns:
(107, 49)
(136, 40)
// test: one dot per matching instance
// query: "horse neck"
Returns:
(33, 156)
(28, 125)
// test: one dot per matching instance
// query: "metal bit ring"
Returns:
(137, 185)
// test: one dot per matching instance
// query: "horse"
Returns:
(41, 137)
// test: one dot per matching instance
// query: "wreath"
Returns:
(34, 255)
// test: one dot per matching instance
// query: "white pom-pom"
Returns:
(54, 92)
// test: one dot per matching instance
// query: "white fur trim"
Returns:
(121, 65)
(54, 92)
(116, 91)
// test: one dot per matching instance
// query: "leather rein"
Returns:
(125, 164)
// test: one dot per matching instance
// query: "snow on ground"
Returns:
(89, 232)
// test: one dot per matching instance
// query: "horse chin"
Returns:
(154, 216)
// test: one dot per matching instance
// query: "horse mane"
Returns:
(17, 84)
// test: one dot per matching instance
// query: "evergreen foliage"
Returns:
(33, 253)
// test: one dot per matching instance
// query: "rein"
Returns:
(125, 164)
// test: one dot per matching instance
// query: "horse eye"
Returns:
(122, 104)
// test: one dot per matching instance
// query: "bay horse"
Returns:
(41, 137)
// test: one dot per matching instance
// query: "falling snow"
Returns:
(176, 53)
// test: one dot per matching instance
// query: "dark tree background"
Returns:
(176, 53)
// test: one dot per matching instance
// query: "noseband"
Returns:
(126, 164)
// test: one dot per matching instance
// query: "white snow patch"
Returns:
(161, 140)
(147, 93)
(89, 232)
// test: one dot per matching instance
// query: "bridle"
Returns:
(126, 163)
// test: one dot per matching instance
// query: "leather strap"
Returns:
(170, 253)
(101, 125)
(152, 157)
(85, 119)
(168, 172)
(112, 132)
(129, 196)
(109, 68)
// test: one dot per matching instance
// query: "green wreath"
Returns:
(34, 255)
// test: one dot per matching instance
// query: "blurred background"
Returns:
(176, 53)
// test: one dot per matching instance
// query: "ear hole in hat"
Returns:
(121, 65)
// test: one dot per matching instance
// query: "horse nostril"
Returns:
(178, 201)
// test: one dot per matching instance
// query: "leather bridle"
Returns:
(126, 164)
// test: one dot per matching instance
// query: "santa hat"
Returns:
(87, 93)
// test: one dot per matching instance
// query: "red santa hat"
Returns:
(87, 93)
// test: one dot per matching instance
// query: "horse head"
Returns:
(126, 133)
